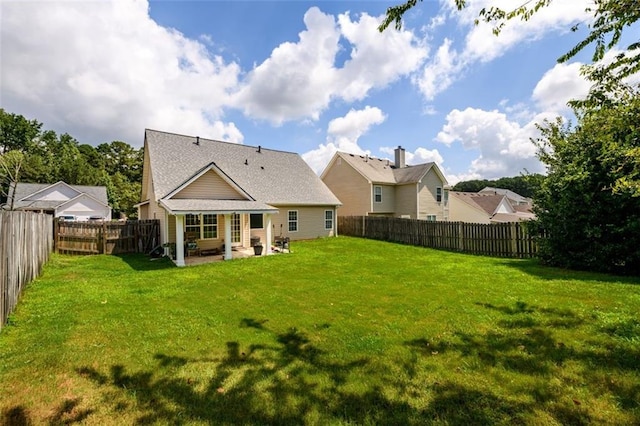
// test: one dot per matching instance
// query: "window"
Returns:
(293, 220)
(209, 226)
(431, 217)
(439, 194)
(256, 221)
(192, 224)
(328, 219)
(377, 194)
(204, 226)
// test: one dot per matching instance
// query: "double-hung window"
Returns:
(377, 194)
(192, 224)
(328, 219)
(439, 194)
(209, 226)
(204, 226)
(293, 220)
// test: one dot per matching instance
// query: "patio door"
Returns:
(236, 230)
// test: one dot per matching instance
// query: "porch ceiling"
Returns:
(216, 206)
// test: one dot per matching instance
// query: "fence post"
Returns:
(460, 237)
(104, 237)
(514, 239)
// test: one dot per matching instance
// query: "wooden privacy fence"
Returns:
(26, 240)
(132, 236)
(500, 239)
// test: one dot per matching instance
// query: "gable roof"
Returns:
(23, 191)
(488, 203)
(383, 171)
(513, 196)
(267, 176)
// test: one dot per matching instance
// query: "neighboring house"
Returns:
(491, 207)
(72, 202)
(369, 186)
(225, 193)
(514, 198)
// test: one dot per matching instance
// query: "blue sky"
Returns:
(308, 77)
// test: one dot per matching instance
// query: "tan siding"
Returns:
(351, 188)
(310, 222)
(427, 196)
(406, 203)
(388, 199)
(146, 192)
(209, 186)
(459, 211)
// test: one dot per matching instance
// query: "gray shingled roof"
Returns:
(383, 171)
(24, 190)
(514, 196)
(485, 202)
(268, 176)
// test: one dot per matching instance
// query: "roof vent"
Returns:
(246, 162)
(197, 142)
(259, 149)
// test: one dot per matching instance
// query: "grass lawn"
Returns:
(342, 331)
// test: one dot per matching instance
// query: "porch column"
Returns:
(180, 240)
(268, 235)
(227, 237)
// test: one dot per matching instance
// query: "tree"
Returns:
(10, 165)
(16, 132)
(589, 200)
(611, 18)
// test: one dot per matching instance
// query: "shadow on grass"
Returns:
(526, 344)
(291, 380)
(68, 412)
(142, 262)
(537, 269)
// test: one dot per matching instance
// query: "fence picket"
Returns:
(26, 239)
(499, 239)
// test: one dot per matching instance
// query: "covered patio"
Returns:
(197, 222)
(236, 253)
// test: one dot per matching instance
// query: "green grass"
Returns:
(342, 331)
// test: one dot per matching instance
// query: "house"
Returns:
(369, 186)
(486, 207)
(513, 197)
(71, 202)
(221, 195)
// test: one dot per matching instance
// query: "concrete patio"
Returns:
(236, 253)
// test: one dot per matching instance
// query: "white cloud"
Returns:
(559, 85)
(343, 134)
(419, 156)
(481, 45)
(505, 146)
(105, 70)
(299, 80)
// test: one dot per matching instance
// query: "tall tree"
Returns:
(10, 166)
(590, 200)
(16, 132)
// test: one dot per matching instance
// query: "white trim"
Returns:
(374, 194)
(51, 186)
(297, 221)
(219, 172)
(333, 218)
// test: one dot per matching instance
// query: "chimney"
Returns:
(399, 157)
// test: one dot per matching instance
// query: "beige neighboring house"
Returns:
(513, 197)
(225, 193)
(486, 207)
(70, 202)
(369, 186)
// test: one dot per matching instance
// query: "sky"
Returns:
(310, 77)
